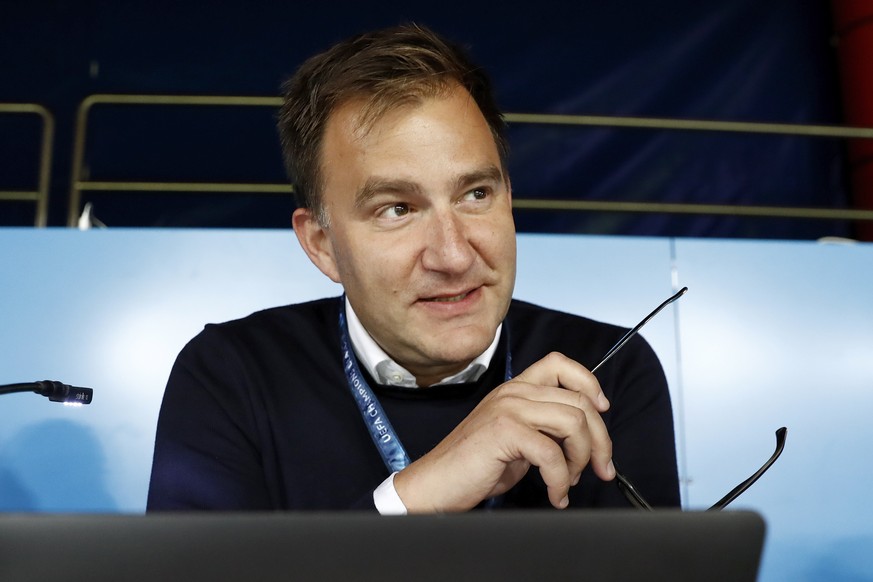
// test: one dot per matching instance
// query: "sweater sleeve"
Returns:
(641, 424)
(229, 437)
(207, 454)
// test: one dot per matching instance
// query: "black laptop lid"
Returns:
(480, 546)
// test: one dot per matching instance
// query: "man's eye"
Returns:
(396, 210)
(476, 194)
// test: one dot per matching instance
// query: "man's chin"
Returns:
(457, 352)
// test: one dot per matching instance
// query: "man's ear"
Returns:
(316, 243)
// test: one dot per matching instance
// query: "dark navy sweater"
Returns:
(257, 414)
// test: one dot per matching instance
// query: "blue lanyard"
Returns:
(381, 431)
(387, 443)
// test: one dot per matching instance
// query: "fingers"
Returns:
(566, 454)
(558, 472)
(573, 425)
(546, 454)
(559, 371)
(549, 416)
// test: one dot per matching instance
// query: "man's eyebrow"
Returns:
(487, 174)
(376, 185)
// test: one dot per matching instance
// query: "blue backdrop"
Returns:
(770, 334)
(728, 60)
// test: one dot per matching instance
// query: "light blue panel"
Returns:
(782, 334)
(772, 334)
(110, 310)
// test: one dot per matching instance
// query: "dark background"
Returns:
(745, 60)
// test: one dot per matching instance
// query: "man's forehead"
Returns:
(360, 114)
(390, 152)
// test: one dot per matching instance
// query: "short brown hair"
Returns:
(385, 68)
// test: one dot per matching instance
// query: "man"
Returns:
(426, 388)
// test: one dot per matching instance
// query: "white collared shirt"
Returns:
(385, 370)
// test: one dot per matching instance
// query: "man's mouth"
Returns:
(450, 299)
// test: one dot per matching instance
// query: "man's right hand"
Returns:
(548, 417)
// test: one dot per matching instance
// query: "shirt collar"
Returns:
(385, 370)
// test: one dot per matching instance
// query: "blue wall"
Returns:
(728, 59)
(770, 334)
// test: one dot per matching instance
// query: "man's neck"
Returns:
(385, 370)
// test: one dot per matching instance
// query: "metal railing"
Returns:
(39, 196)
(800, 130)
(78, 184)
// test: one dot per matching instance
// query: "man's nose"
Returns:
(447, 245)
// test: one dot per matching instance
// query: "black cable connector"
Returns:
(54, 391)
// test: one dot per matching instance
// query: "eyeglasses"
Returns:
(626, 487)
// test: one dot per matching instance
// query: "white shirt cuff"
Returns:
(386, 499)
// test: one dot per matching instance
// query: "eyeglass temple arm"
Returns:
(627, 488)
(739, 489)
(630, 492)
(639, 326)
